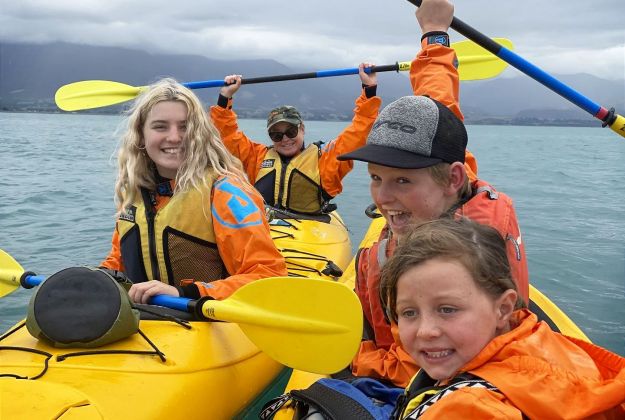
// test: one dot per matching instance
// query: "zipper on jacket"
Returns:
(282, 186)
(149, 201)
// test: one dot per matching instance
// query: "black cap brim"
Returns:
(388, 156)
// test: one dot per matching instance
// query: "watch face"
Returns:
(439, 39)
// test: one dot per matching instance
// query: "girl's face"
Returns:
(164, 133)
(444, 318)
(408, 196)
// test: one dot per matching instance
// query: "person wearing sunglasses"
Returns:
(288, 173)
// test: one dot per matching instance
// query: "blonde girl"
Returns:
(188, 222)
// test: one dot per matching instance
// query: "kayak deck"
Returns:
(200, 363)
(313, 247)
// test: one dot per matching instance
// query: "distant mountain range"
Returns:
(30, 74)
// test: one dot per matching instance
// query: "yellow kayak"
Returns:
(211, 370)
(200, 364)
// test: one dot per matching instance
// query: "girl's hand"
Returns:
(142, 292)
(233, 83)
(367, 79)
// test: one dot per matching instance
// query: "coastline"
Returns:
(334, 116)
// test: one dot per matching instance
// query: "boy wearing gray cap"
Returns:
(419, 171)
(288, 174)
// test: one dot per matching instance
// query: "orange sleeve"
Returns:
(332, 170)
(114, 259)
(250, 153)
(243, 238)
(433, 73)
(393, 364)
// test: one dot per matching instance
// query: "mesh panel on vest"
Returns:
(304, 195)
(191, 258)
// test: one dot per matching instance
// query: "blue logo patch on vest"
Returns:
(240, 205)
(128, 214)
(267, 163)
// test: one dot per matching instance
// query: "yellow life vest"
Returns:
(175, 243)
(295, 186)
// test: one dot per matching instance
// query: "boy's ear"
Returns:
(505, 307)
(457, 176)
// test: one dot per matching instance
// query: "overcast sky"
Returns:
(562, 37)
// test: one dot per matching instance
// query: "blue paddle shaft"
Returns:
(173, 302)
(548, 80)
(32, 281)
(295, 76)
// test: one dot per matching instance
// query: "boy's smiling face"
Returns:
(408, 196)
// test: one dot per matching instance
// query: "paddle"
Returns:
(609, 118)
(308, 324)
(10, 274)
(475, 63)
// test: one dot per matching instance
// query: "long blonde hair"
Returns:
(203, 152)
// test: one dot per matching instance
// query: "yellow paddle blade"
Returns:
(618, 126)
(94, 94)
(477, 63)
(10, 273)
(308, 324)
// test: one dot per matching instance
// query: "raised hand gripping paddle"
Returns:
(307, 324)
(475, 63)
(609, 118)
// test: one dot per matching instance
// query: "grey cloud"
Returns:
(324, 33)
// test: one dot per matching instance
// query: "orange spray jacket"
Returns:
(203, 256)
(380, 354)
(331, 170)
(540, 374)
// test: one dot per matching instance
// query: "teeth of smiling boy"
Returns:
(394, 212)
(438, 354)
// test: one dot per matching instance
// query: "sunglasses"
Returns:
(291, 133)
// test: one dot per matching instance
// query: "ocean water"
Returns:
(57, 173)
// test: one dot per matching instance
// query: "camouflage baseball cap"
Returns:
(285, 113)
